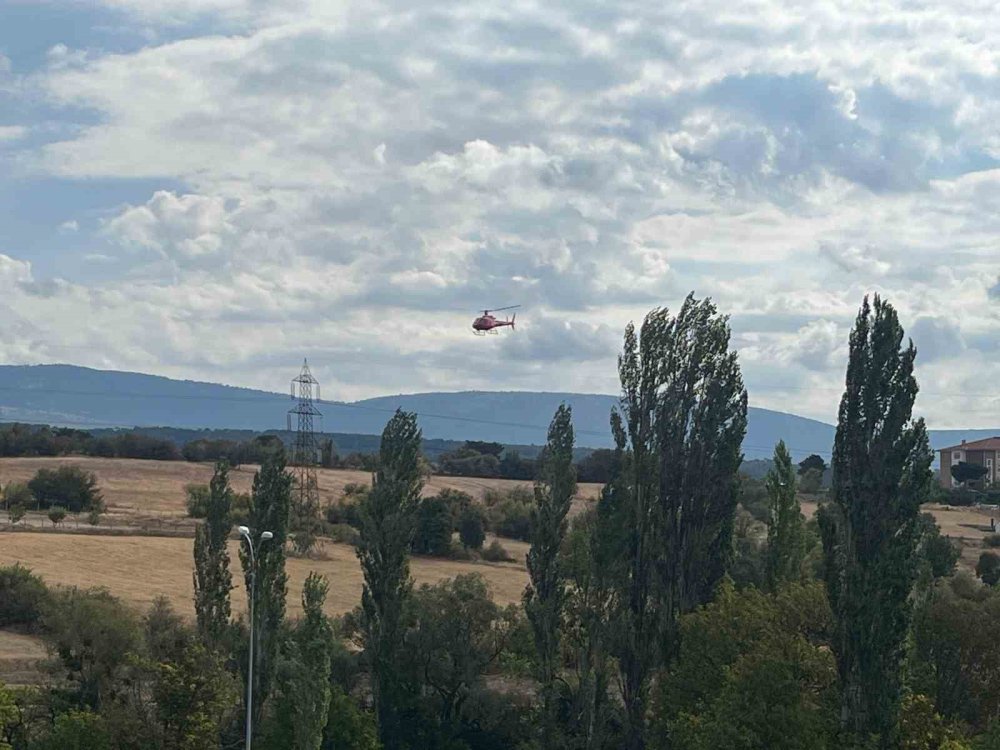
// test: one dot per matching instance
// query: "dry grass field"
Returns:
(138, 569)
(137, 487)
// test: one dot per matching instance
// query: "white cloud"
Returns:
(360, 178)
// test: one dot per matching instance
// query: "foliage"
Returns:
(964, 472)
(750, 551)
(194, 696)
(682, 419)
(56, 514)
(786, 549)
(93, 634)
(23, 597)
(77, 730)
(871, 531)
(939, 553)
(509, 513)
(922, 728)
(15, 513)
(812, 462)
(387, 529)
(472, 527)
(347, 726)
(991, 540)
(302, 699)
(196, 501)
(269, 504)
(455, 632)
(212, 578)
(9, 716)
(434, 527)
(811, 481)
(68, 486)
(955, 658)
(496, 552)
(754, 671)
(133, 445)
(545, 595)
(596, 466)
(16, 493)
(988, 568)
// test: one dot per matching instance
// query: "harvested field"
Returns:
(156, 488)
(138, 569)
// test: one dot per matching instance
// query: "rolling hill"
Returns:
(82, 397)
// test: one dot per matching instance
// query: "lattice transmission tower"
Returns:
(305, 456)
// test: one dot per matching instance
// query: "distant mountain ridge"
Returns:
(83, 397)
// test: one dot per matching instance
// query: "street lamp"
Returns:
(265, 536)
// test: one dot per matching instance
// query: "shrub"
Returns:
(15, 513)
(472, 527)
(68, 486)
(988, 568)
(239, 507)
(94, 516)
(991, 540)
(496, 553)
(512, 519)
(341, 532)
(56, 514)
(197, 500)
(457, 502)
(22, 597)
(434, 526)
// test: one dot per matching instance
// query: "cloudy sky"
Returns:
(213, 189)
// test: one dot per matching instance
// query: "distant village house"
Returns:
(985, 453)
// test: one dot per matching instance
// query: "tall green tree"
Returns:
(545, 596)
(303, 682)
(682, 420)
(212, 579)
(387, 527)
(786, 548)
(270, 499)
(871, 530)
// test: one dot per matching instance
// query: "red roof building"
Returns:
(985, 452)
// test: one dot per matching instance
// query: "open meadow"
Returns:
(155, 489)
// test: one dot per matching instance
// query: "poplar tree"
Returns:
(786, 548)
(871, 530)
(387, 515)
(682, 420)
(212, 579)
(270, 498)
(545, 595)
(303, 681)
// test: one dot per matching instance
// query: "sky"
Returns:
(215, 189)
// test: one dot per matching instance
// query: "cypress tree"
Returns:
(270, 498)
(545, 595)
(683, 418)
(212, 578)
(388, 523)
(871, 530)
(785, 525)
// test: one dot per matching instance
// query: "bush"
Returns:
(239, 508)
(457, 502)
(197, 500)
(991, 540)
(496, 553)
(22, 597)
(512, 519)
(988, 568)
(56, 514)
(342, 532)
(472, 527)
(68, 486)
(15, 513)
(434, 527)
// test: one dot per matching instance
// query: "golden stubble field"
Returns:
(138, 569)
(133, 486)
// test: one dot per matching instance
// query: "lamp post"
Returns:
(265, 536)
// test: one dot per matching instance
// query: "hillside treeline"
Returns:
(656, 619)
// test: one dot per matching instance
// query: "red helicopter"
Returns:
(487, 322)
